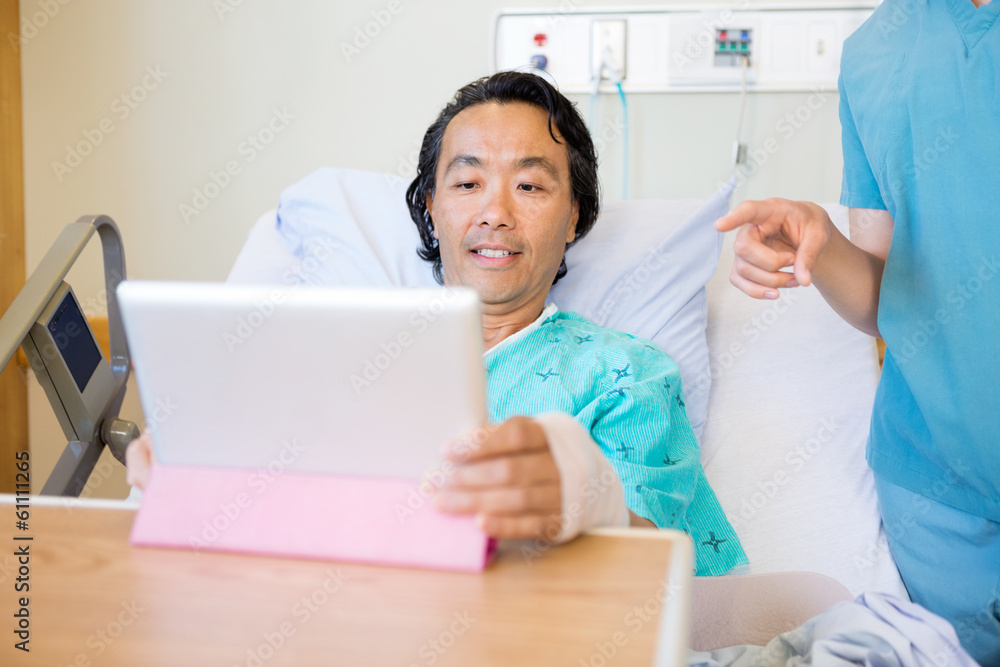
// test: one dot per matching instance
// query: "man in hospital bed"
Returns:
(588, 426)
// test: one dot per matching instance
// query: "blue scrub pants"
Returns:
(950, 563)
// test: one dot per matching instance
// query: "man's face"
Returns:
(502, 209)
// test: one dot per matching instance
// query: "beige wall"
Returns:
(208, 81)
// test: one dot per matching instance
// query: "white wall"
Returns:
(223, 75)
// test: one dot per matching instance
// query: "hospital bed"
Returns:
(778, 392)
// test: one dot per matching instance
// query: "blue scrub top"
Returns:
(920, 110)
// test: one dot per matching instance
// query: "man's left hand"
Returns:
(509, 480)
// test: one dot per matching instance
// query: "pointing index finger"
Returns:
(748, 212)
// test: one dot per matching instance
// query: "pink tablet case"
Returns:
(306, 515)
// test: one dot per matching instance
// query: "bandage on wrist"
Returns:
(592, 495)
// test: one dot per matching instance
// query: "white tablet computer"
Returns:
(364, 382)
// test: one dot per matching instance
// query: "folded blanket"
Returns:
(876, 630)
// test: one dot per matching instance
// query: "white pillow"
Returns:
(641, 269)
(792, 392)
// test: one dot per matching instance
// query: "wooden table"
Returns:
(96, 600)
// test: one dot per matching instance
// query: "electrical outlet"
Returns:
(823, 43)
(608, 39)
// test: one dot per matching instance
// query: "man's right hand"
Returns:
(509, 479)
(775, 234)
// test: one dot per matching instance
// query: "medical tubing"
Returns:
(615, 76)
(621, 95)
(745, 63)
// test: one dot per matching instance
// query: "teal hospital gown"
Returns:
(627, 393)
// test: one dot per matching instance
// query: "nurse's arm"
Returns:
(849, 275)
(777, 233)
(871, 230)
(871, 236)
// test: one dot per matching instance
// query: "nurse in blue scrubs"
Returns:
(920, 112)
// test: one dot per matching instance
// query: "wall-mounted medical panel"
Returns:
(680, 48)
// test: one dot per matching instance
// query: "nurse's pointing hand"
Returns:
(774, 234)
(508, 479)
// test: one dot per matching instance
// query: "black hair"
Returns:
(507, 88)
